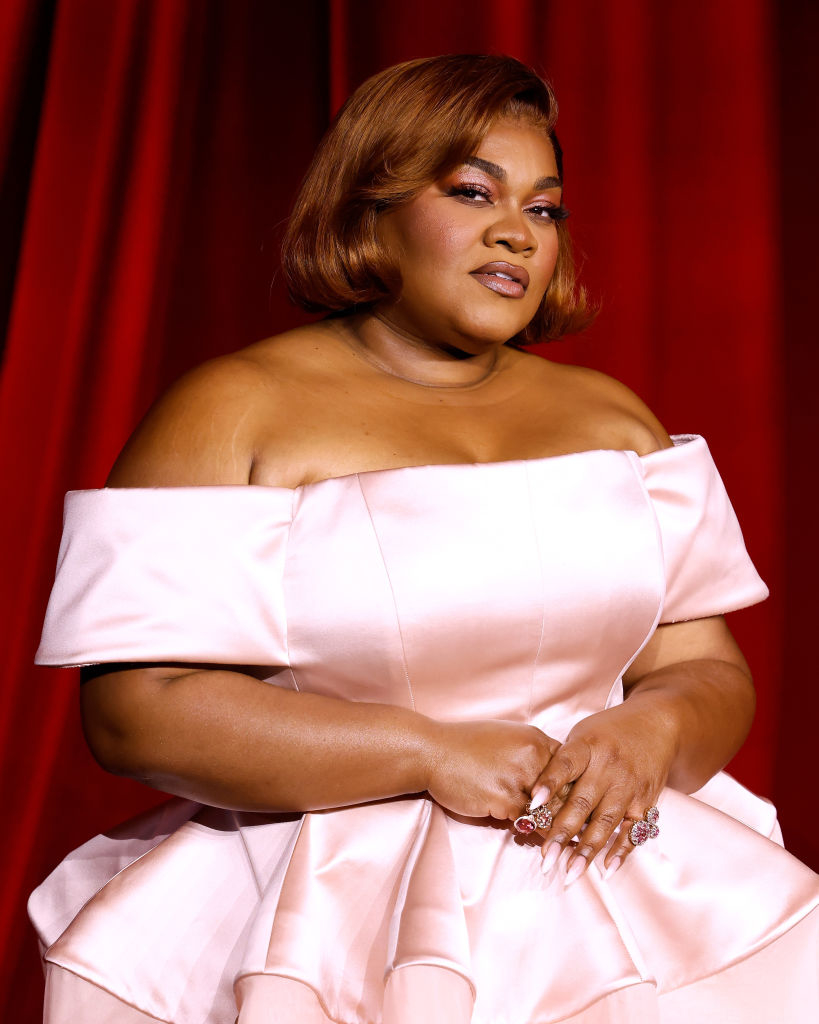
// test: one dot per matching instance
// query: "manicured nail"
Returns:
(613, 866)
(578, 866)
(553, 851)
(540, 796)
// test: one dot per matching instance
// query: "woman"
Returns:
(455, 561)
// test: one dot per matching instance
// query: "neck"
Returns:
(396, 353)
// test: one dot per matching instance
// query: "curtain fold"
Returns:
(25, 37)
(149, 152)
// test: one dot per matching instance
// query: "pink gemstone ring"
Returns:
(646, 829)
(532, 818)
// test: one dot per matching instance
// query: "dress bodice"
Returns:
(516, 590)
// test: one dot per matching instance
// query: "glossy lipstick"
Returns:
(503, 278)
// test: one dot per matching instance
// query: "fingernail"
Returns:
(578, 866)
(540, 796)
(553, 851)
(613, 866)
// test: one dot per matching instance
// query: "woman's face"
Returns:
(477, 249)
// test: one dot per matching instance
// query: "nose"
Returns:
(511, 230)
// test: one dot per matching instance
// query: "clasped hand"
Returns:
(612, 766)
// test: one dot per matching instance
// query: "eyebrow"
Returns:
(499, 174)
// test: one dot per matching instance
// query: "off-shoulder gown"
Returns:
(518, 591)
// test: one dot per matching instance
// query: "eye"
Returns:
(470, 193)
(551, 213)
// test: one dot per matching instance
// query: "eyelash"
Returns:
(471, 192)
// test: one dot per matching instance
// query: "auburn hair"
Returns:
(399, 132)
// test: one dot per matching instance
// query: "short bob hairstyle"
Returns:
(400, 131)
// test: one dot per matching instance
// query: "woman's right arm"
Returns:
(228, 739)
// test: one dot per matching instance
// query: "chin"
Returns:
(495, 323)
(489, 332)
(471, 327)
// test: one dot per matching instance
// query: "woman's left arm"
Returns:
(688, 706)
(697, 673)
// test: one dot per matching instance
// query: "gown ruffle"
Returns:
(518, 590)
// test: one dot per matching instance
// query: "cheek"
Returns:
(434, 242)
(548, 253)
(428, 230)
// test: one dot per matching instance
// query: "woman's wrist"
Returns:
(662, 717)
(426, 755)
(706, 707)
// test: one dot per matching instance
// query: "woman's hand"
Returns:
(617, 762)
(689, 703)
(486, 769)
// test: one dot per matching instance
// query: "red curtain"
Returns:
(149, 151)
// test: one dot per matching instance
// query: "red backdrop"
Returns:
(149, 151)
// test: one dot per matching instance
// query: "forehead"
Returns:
(521, 149)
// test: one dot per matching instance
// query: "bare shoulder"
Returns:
(612, 415)
(205, 429)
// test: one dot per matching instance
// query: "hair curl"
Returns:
(400, 131)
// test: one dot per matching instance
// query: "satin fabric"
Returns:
(517, 590)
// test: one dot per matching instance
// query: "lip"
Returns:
(513, 284)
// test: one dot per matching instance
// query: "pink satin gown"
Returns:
(518, 591)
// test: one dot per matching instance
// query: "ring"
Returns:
(532, 818)
(640, 831)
